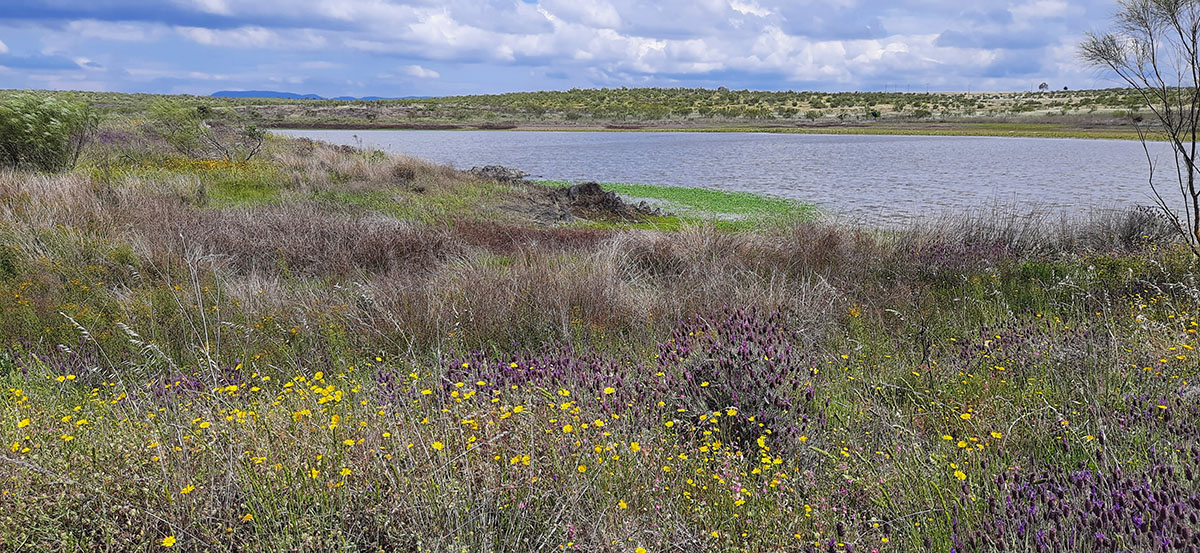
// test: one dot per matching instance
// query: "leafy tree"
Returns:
(1155, 49)
(46, 133)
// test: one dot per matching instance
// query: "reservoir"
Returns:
(871, 179)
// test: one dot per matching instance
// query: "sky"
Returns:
(449, 47)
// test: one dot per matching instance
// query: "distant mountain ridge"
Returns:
(294, 96)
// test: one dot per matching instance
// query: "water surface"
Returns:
(883, 179)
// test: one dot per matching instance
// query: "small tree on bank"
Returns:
(1155, 48)
(194, 132)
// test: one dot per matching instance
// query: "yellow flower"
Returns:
(582, 468)
(610, 390)
(640, 550)
(965, 416)
(439, 446)
(997, 435)
(731, 411)
(670, 424)
(348, 443)
(67, 437)
(249, 517)
(168, 541)
(345, 472)
(622, 505)
(635, 447)
(567, 428)
(205, 424)
(314, 473)
(187, 489)
(960, 475)
(23, 423)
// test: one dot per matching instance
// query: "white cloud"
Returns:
(420, 72)
(749, 7)
(844, 44)
(252, 37)
(595, 13)
(3, 48)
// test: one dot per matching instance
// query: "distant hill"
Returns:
(294, 96)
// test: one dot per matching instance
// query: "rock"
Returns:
(589, 200)
(499, 173)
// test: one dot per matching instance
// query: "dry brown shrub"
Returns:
(316, 167)
(508, 238)
(296, 238)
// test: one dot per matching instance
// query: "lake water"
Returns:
(880, 179)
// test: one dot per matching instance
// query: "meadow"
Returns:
(321, 348)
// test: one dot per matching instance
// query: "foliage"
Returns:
(194, 132)
(46, 133)
(1156, 51)
(1080, 113)
(364, 364)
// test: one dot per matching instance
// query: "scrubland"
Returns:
(323, 348)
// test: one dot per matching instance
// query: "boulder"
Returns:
(499, 173)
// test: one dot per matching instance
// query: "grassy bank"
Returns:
(723, 209)
(331, 349)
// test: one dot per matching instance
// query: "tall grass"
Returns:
(307, 373)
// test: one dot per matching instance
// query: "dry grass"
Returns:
(212, 344)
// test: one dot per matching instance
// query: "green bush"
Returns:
(44, 132)
(196, 133)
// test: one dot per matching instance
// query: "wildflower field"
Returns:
(325, 349)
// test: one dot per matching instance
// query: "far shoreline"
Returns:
(994, 130)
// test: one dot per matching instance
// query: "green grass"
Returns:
(272, 402)
(731, 210)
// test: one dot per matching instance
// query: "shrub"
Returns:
(45, 133)
(194, 132)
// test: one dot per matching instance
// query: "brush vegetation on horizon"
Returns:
(1109, 113)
